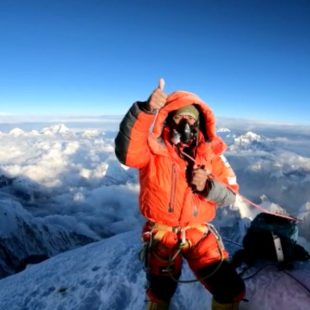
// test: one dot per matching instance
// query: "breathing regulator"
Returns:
(184, 133)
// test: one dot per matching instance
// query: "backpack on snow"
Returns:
(271, 238)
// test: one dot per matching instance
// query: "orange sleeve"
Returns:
(224, 173)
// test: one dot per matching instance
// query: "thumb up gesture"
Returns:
(158, 97)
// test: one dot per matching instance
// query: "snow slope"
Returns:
(108, 275)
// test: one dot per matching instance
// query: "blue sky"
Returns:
(247, 59)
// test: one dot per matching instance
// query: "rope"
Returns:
(298, 281)
(256, 272)
(233, 242)
(172, 257)
(287, 273)
(198, 279)
(289, 217)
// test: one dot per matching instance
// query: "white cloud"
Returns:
(70, 181)
(77, 168)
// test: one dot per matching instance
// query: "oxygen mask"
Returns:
(184, 133)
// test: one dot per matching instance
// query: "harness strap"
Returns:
(161, 229)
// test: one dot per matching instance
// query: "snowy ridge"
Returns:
(108, 275)
(24, 238)
(250, 142)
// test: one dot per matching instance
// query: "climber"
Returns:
(183, 177)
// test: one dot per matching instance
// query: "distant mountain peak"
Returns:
(249, 137)
(56, 129)
(16, 132)
(223, 129)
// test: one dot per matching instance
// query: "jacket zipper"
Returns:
(195, 211)
(173, 188)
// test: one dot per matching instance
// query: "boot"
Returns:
(151, 305)
(217, 306)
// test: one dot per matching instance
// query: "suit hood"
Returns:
(180, 99)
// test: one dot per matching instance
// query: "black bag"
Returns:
(272, 238)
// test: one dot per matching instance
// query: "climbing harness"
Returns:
(158, 231)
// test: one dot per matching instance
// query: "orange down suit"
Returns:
(166, 199)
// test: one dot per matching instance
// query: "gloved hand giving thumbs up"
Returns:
(158, 97)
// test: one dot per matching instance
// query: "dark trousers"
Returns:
(225, 284)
